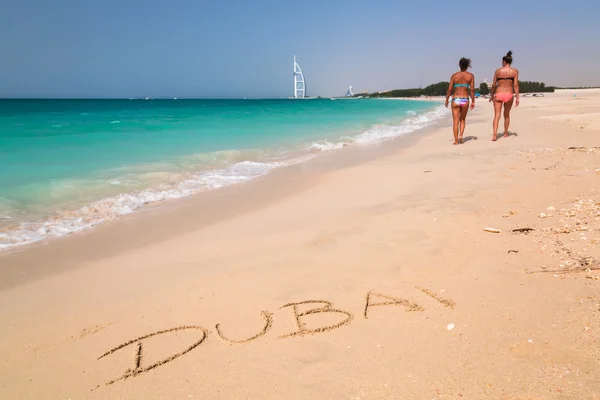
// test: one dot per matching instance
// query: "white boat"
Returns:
(299, 82)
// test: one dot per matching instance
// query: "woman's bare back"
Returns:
(461, 78)
(504, 79)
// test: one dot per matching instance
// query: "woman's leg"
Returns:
(497, 110)
(455, 120)
(507, 107)
(463, 121)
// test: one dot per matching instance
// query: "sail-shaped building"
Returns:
(299, 82)
(350, 92)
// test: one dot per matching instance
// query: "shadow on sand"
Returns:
(501, 135)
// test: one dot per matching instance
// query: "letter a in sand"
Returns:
(389, 301)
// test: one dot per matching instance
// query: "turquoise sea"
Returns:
(67, 165)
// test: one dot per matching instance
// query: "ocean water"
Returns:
(68, 165)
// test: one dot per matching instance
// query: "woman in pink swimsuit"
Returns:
(506, 83)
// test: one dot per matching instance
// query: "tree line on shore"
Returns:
(440, 88)
(577, 87)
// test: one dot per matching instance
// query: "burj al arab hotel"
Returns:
(299, 82)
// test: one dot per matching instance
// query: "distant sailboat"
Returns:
(299, 82)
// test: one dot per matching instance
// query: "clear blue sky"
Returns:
(227, 48)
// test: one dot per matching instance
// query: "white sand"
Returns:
(403, 232)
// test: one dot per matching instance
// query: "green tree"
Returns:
(437, 89)
(533, 87)
(440, 88)
(483, 88)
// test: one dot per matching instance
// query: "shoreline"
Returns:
(211, 206)
(299, 156)
(351, 281)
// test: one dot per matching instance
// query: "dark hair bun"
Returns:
(509, 53)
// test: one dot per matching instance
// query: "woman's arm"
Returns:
(516, 87)
(472, 92)
(493, 87)
(449, 91)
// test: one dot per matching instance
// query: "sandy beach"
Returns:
(366, 273)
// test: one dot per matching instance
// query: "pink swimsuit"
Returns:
(504, 97)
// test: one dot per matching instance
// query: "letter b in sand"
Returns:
(326, 308)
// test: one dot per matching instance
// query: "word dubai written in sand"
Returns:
(319, 307)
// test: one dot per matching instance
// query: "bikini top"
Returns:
(461, 85)
(511, 78)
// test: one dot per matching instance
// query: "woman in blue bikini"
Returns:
(461, 83)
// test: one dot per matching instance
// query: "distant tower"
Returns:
(299, 83)
(349, 93)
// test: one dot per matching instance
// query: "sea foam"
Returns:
(115, 207)
(384, 131)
